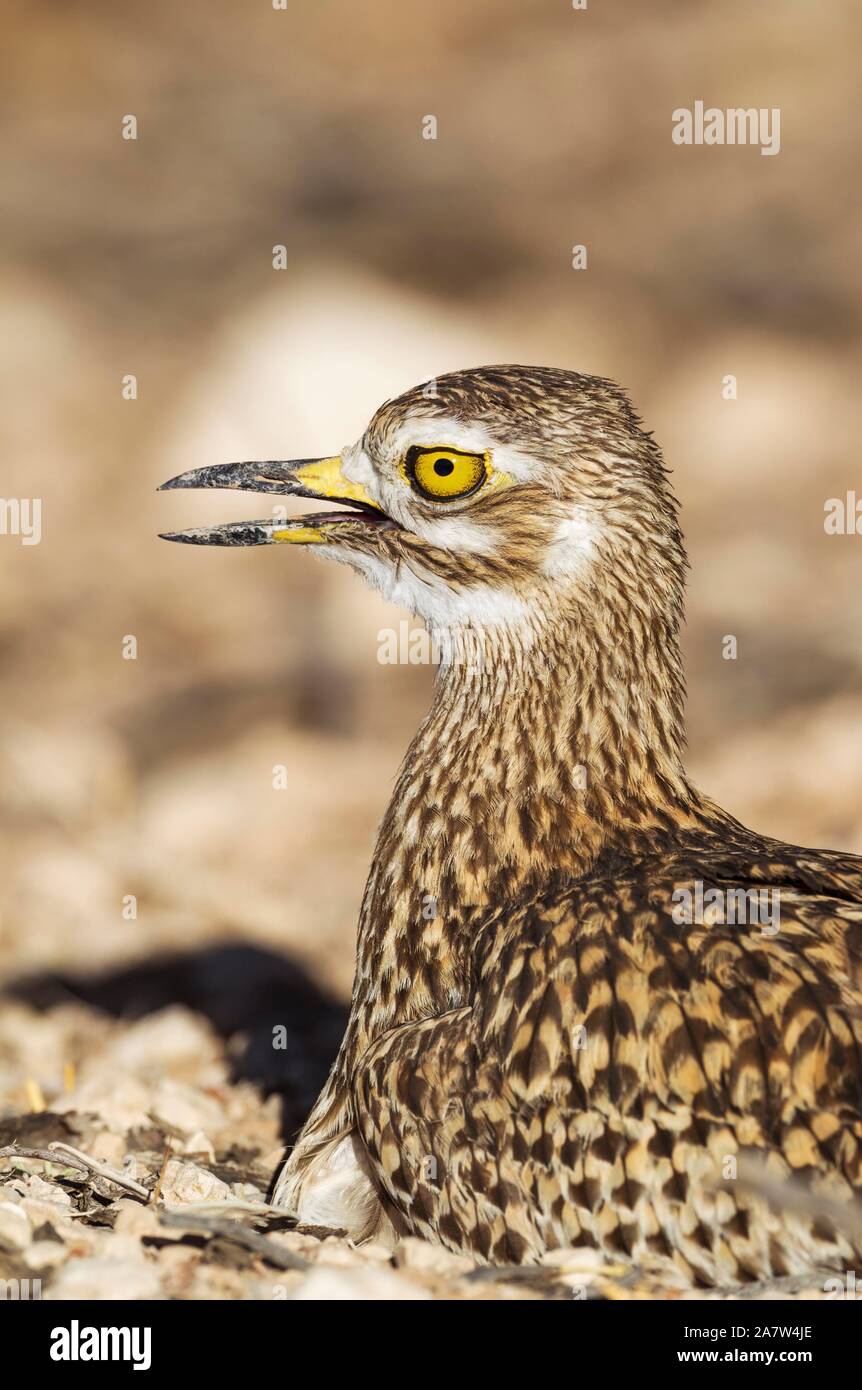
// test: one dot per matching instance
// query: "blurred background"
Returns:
(152, 779)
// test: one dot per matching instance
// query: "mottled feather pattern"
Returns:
(547, 1056)
(698, 1045)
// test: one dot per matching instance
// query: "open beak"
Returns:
(318, 479)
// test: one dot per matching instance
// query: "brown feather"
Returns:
(549, 1058)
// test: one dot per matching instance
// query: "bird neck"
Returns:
(544, 747)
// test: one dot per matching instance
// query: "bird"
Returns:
(585, 995)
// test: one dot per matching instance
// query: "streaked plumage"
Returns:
(540, 1052)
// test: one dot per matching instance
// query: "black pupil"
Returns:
(443, 467)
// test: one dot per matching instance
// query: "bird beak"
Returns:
(318, 479)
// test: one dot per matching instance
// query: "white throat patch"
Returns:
(440, 607)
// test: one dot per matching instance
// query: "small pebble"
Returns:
(15, 1230)
(187, 1182)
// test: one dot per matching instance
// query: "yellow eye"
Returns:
(445, 473)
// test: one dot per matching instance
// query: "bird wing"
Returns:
(615, 1065)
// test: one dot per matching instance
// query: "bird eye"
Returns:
(445, 473)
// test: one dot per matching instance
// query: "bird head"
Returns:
(492, 498)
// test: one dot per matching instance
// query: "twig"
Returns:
(168, 1155)
(229, 1204)
(102, 1170)
(13, 1151)
(269, 1251)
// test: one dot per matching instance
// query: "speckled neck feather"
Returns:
(544, 749)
